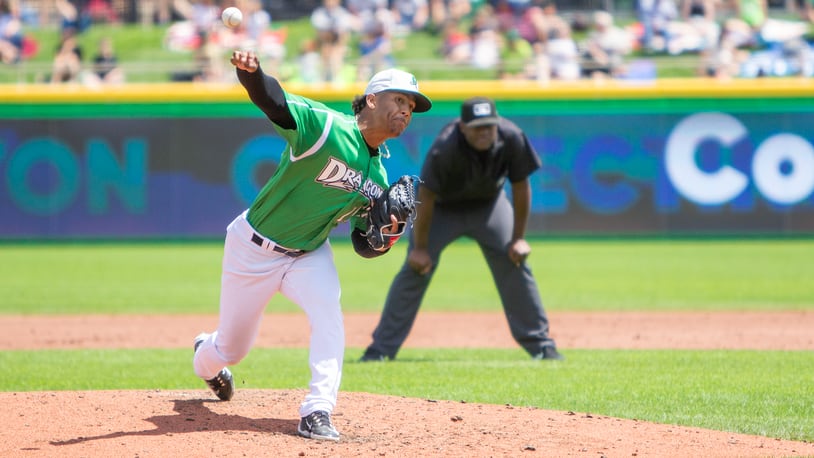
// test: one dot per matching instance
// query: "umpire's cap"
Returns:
(479, 111)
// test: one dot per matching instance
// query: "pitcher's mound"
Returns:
(264, 423)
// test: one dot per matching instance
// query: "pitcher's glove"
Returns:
(398, 200)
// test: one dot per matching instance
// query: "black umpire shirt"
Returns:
(462, 177)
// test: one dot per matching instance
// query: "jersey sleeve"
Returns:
(524, 160)
(312, 119)
(433, 170)
(267, 94)
(430, 176)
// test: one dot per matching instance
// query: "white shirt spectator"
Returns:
(257, 20)
(410, 15)
(332, 17)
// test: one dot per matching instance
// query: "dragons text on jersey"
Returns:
(337, 174)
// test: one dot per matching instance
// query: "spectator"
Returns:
(72, 17)
(515, 56)
(745, 21)
(806, 10)
(256, 20)
(751, 26)
(563, 56)
(552, 25)
(100, 11)
(203, 14)
(702, 28)
(269, 43)
(765, 46)
(536, 63)
(67, 63)
(484, 37)
(654, 16)
(724, 61)
(528, 19)
(753, 12)
(210, 62)
(155, 12)
(333, 25)
(539, 67)
(456, 46)
(250, 34)
(409, 16)
(519, 5)
(11, 33)
(442, 11)
(605, 47)
(559, 46)
(309, 63)
(106, 69)
(374, 21)
(367, 10)
(375, 48)
(538, 22)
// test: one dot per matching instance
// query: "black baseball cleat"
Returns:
(223, 384)
(317, 425)
(371, 356)
(549, 353)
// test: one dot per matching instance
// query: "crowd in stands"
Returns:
(67, 61)
(514, 39)
(735, 38)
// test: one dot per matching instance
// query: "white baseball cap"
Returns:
(400, 81)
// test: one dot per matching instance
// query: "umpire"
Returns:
(462, 195)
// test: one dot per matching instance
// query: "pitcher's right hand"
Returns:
(245, 60)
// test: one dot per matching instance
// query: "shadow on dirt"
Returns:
(191, 416)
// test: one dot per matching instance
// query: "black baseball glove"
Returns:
(398, 200)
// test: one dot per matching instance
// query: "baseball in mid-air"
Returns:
(231, 17)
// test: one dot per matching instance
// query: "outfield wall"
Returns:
(180, 160)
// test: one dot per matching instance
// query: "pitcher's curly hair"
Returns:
(358, 104)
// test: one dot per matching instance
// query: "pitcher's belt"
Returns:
(258, 240)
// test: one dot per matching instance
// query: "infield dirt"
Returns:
(263, 422)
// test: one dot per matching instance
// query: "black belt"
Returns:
(290, 253)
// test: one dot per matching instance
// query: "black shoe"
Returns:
(223, 384)
(371, 356)
(549, 353)
(317, 425)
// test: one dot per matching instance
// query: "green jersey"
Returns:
(326, 176)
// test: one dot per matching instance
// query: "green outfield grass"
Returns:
(754, 392)
(771, 274)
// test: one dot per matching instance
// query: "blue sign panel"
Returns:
(609, 173)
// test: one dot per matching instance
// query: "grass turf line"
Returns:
(765, 393)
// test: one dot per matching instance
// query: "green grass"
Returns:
(677, 274)
(766, 393)
(110, 278)
(573, 275)
(142, 52)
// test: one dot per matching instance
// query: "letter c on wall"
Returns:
(705, 188)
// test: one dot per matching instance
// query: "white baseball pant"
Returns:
(251, 276)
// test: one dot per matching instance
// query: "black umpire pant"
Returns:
(491, 227)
